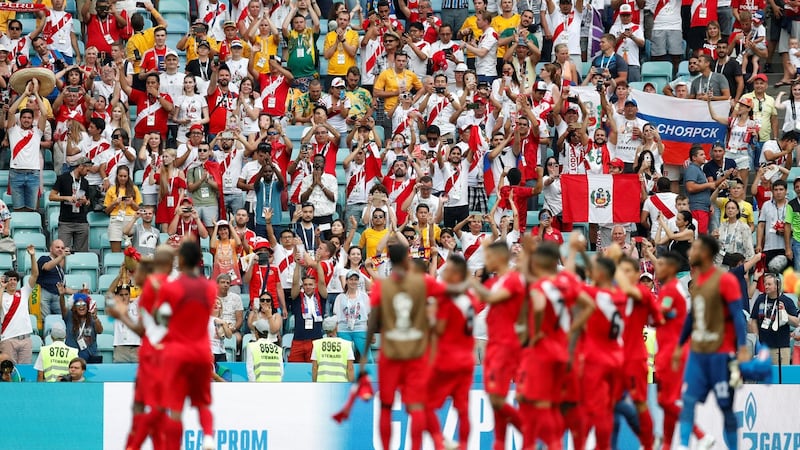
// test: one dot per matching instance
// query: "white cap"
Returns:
(461, 67)
(625, 9)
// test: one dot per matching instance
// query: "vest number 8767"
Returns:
(58, 352)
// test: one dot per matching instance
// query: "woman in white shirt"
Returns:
(248, 107)
(791, 119)
(190, 108)
(505, 91)
(352, 309)
(218, 331)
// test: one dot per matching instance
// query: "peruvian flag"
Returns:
(372, 164)
(601, 198)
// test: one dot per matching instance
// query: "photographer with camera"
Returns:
(16, 329)
(53, 360)
(70, 190)
(77, 367)
(772, 315)
(144, 236)
(438, 107)
(187, 221)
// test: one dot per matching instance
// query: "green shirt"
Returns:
(508, 32)
(205, 195)
(793, 218)
(302, 53)
(360, 101)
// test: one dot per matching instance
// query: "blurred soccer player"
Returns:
(451, 375)
(505, 294)
(399, 313)
(186, 356)
(553, 295)
(717, 328)
(635, 371)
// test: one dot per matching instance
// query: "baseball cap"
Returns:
(187, 200)
(229, 23)
(4, 48)
(204, 44)
(681, 83)
(170, 52)
(352, 273)
(573, 107)
(758, 16)
(646, 275)
(261, 244)
(762, 77)
(58, 330)
(329, 323)
(625, 9)
(541, 86)
(631, 101)
(222, 223)
(337, 82)
(746, 101)
(461, 67)
(237, 43)
(616, 162)
(262, 325)
(199, 22)
(84, 161)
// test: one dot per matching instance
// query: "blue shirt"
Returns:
(699, 201)
(614, 63)
(268, 195)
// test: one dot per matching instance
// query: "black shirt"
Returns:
(765, 308)
(715, 172)
(66, 186)
(730, 70)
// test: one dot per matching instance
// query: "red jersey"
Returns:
(635, 348)
(604, 329)
(192, 299)
(672, 299)
(153, 60)
(219, 105)
(281, 155)
(265, 278)
(150, 116)
(456, 343)
(521, 196)
(148, 301)
(560, 293)
(274, 91)
(502, 317)
(329, 151)
(101, 33)
(729, 290)
(529, 156)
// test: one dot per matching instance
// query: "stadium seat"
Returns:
(52, 223)
(100, 301)
(172, 41)
(138, 177)
(36, 344)
(98, 219)
(23, 240)
(28, 24)
(246, 339)
(27, 222)
(71, 7)
(208, 263)
(49, 320)
(230, 349)
(104, 282)
(533, 218)
(7, 199)
(163, 238)
(82, 261)
(380, 132)
(287, 345)
(177, 24)
(6, 261)
(173, 6)
(108, 324)
(204, 243)
(34, 323)
(79, 281)
(3, 179)
(638, 85)
(90, 278)
(294, 132)
(48, 180)
(683, 68)
(657, 71)
(436, 5)
(24, 264)
(112, 262)
(105, 345)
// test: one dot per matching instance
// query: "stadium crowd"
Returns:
(299, 142)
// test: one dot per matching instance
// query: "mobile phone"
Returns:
(140, 4)
(272, 57)
(447, 51)
(449, 141)
(473, 105)
(439, 90)
(186, 209)
(124, 198)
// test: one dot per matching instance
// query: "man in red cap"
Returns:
(187, 152)
(264, 276)
(187, 222)
(616, 166)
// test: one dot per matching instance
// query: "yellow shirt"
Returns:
(388, 81)
(269, 47)
(745, 208)
(763, 110)
(140, 42)
(472, 24)
(369, 241)
(47, 106)
(425, 233)
(341, 60)
(111, 197)
(500, 24)
(5, 16)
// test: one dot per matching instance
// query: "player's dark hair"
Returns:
(459, 264)
(421, 264)
(191, 254)
(514, 176)
(606, 265)
(398, 253)
(672, 258)
(547, 255)
(710, 243)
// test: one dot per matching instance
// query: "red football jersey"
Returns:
(192, 300)
(672, 300)
(503, 316)
(729, 290)
(148, 301)
(635, 348)
(605, 326)
(560, 292)
(456, 344)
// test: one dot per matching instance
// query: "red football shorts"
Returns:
(540, 379)
(455, 384)
(669, 381)
(636, 379)
(499, 368)
(409, 376)
(602, 387)
(148, 379)
(185, 378)
(572, 381)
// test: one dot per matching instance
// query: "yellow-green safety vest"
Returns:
(55, 360)
(267, 360)
(331, 354)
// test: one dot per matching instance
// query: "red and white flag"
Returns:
(601, 198)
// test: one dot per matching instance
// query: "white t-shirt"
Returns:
(247, 173)
(668, 199)
(230, 304)
(217, 344)
(182, 150)
(571, 34)
(238, 73)
(628, 49)
(626, 144)
(487, 65)
(459, 192)
(400, 117)
(415, 64)
(232, 167)
(189, 107)
(124, 335)
(442, 118)
(669, 17)
(171, 83)
(475, 260)
(20, 323)
(28, 156)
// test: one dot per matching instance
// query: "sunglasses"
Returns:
(265, 299)
(378, 217)
(15, 28)
(545, 217)
(272, 133)
(202, 150)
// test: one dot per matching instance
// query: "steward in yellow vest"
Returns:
(53, 361)
(264, 359)
(332, 357)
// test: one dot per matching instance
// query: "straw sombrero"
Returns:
(47, 80)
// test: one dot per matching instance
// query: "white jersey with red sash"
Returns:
(573, 159)
(230, 164)
(473, 250)
(399, 190)
(438, 113)
(369, 60)
(118, 159)
(57, 31)
(403, 121)
(626, 47)
(20, 46)
(566, 30)
(15, 322)
(153, 161)
(250, 172)
(64, 115)
(99, 152)
(455, 185)
(274, 94)
(635, 12)
(284, 259)
(214, 15)
(667, 15)
(302, 170)
(25, 144)
(329, 151)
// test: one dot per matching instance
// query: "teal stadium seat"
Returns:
(87, 261)
(6, 261)
(208, 263)
(105, 345)
(48, 180)
(112, 262)
(49, 320)
(23, 240)
(286, 343)
(28, 222)
(230, 349)
(108, 324)
(294, 133)
(638, 85)
(100, 301)
(173, 6)
(80, 281)
(3, 179)
(104, 282)
(24, 264)
(683, 68)
(246, 339)
(7, 198)
(657, 71)
(34, 323)
(36, 346)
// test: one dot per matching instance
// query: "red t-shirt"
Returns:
(151, 117)
(153, 60)
(102, 33)
(259, 285)
(456, 343)
(553, 235)
(219, 105)
(635, 348)
(281, 155)
(560, 293)
(604, 329)
(672, 300)
(529, 156)
(192, 299)
(729, 290)
(503, 316)
(148, 302)
(521, 196)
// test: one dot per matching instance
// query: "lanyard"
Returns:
(605, 61)
(204, 69)
(305, 237)
(108, 27)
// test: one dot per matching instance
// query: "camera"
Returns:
(140, 5)
(65, 378)
(600, 87)
(353, 118)
(449, 141)
(473, 105)
(186, 209)
(59, 65)
(439, 90)
(447, 51)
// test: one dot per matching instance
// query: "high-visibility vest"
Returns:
(267, 360)
(55, 360)
(331, 354)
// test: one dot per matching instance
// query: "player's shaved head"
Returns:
(398, 254)
(458, 266)
(546, 256)
(164, 256)
(190, 255)
(603, 267)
